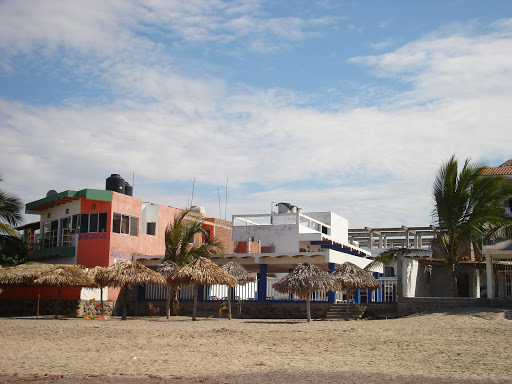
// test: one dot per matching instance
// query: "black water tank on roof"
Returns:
(128, 189)
(115, 183)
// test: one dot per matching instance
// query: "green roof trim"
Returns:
(51, 253)
(66, 196)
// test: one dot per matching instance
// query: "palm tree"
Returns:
(12, 249)
(181, 247)
(467, 207)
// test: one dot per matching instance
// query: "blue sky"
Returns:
(345, 106)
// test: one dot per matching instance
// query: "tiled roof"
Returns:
(506, 170)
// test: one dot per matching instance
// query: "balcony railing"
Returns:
(250, 292)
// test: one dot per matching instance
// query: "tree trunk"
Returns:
(101, 300)
(168, 303)
(175, 301)
(57, 303)
(308, 308)
(125, 301)
(453, 282)
(194, 309)
(229, 302)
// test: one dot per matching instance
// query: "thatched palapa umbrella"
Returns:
(98, 274)
(241, 275)
(201, 271)
(349, 277)
(23, 275)
(128, 273)
(65, 275)
(167, 269)
(304, 280)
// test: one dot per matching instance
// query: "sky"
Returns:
(342, 106)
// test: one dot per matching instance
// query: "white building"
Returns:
(273, 244)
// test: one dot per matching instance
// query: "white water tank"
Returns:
(198, 209)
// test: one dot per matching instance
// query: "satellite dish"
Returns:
(51, 192)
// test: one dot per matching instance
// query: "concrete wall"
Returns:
(284, 238)
(339, 225)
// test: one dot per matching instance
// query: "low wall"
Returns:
(250, 309)
(68, 308)
(410, 305)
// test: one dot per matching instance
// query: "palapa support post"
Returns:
(331, 295)
(57, 302)
(308, 307)
(262, 283)
(38, 299)
(230, 291)
(125, 302)
(194, 309)
(168, 302)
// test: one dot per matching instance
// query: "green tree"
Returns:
(182, 246)
(12, 248)
(467, 207)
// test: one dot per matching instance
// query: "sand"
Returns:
(464, 345)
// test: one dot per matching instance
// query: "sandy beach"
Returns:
(460, 345)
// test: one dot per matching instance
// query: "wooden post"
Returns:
(57, 303)
(308, 307)
(229, 302)
(38, 298)
(194, 309)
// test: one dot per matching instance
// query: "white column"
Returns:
(490, 278)
(476, 273)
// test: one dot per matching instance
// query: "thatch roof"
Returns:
(65, 275)
(128, 273)
(99, 275)
(168, 268)
(25, 274)
(350, 277)
(202, 271)
(304, 279)
(239, 273)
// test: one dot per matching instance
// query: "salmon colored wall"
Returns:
(30, 293)
(93, 248)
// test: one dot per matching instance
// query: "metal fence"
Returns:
(249, 291)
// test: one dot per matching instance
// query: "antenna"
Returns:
(220, 212)
(193, 186)
(133, 179)
(226, 206)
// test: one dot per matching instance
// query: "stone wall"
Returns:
(410, 305)
(250, 309)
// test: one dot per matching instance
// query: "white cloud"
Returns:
(373, 165)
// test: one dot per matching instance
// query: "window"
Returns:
(102, 222)
(116, 225)
(84, 223)
(151, 229)
(93, 222)
(75, 223)
(89, 222)
(50, 233)
(134, 226)
(125, 224)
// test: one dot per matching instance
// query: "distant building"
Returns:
(273, 244)
(498, 255)
(94, 227)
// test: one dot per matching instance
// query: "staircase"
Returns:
(338, 312)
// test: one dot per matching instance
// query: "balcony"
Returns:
(53, 245)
